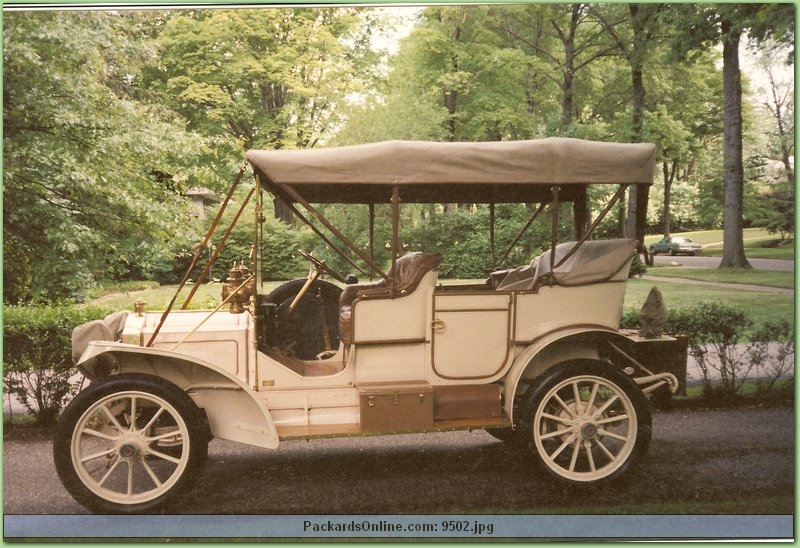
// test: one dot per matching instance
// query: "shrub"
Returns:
(714, 331)
(728, 348)
(37, 355)
(771, 351)
(717, 336)
(638, 268)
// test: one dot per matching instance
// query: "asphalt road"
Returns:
(700, 458)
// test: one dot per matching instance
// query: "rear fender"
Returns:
(233, 408)
(551, 350)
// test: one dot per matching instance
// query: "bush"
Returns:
(714, 331)
(37, 355)
(728, 348)
(771, 351)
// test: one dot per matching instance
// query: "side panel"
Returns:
(222, 338)
(559, 307)
(400, 319)
(313, 408)
(389, 362)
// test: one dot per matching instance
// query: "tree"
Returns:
(456, 69)
(89, 161)
(267, 78)
(566, 37)
(779, 103)
(685, 119)
(635, 49)
(706, 25)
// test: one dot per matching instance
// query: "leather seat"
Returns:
(406, 275)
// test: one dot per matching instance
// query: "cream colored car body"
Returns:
(534, 355)
(437, 335)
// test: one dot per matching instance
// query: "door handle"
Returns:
(437, 325)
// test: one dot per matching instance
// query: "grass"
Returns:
(208, 296)
(759, 306)
(713, 237)
(157, 298)
(727, 275)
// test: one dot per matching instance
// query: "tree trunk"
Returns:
(636, 60)
(669, 177)
(568, 70)
(733, 255)
(636, 137)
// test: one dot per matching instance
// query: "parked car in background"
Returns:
(675, 245)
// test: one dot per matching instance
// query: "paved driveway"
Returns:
(700, 461)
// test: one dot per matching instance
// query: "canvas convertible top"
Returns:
(429, 172)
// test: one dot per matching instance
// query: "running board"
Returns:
(352, 430)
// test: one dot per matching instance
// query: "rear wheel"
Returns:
(130, 444)
(587, 422)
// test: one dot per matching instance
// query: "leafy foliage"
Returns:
(110, 116)
(37, 358)
(267, 78)
(96, 170)
(728, 348)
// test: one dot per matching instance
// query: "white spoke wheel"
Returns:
(587, 422)
(130, 444)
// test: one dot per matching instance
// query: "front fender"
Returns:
(233, 409)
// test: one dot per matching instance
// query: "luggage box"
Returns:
(395, 406)
(468, 401)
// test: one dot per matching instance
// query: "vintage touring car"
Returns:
(534, 355)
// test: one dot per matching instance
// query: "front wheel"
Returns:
(587, 423)
(130, 444)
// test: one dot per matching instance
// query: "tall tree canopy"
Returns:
(93, 171)
(268, 78)
(109, 116)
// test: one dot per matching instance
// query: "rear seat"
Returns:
(408, 272)
(595, 261)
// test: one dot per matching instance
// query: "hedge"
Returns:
(37, 355)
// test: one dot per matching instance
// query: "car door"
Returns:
(470, 334)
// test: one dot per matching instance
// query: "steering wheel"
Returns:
(313, 274)
(320, 265)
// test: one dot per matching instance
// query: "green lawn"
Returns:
(759, 306)
(208, 296)
(727, 275)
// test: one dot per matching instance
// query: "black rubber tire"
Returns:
(301, 332)
(78, 415)
(506, 435)
(549, 438)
